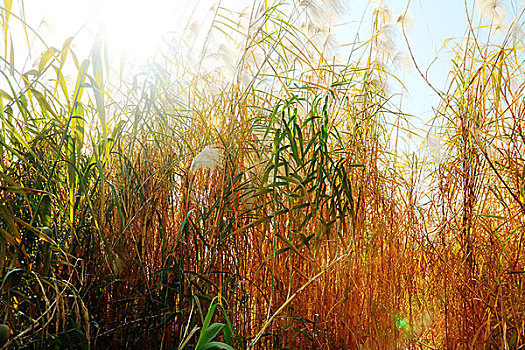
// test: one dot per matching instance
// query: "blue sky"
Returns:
(437, 26)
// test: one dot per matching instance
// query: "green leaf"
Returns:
(77, 127)
(62, 82)
(36, 231)
(290, 245)
(43, 102)
(215, 345)
(275, 253)
(253, 224)
(98, 91)
(206, 324)
(211, 332)
(5, 95)
(9, 220)
(97, 62)
(79, 86)
(46, 56)
(65, 50)
(24, 190)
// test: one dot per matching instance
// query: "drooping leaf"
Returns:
(46, 56)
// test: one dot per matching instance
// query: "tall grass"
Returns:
(249, 194)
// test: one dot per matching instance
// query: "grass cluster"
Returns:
(251, 194)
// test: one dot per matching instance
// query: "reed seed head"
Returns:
(209, 157)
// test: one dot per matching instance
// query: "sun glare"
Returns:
(137, 27)
(134, 27)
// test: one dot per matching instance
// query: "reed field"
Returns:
(248, 187)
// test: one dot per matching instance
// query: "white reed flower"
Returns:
(244, 17)
(228, 56)
(193, 31)
(385, 39)
(380, 84)
(492, 8)
(324, 11)
(302, 109)
(209, 157)
(223, 61)
(325, 42)
(434, 147)
(244, 78)
(516, 33)
(402, 60)
(383, 14)
(215, 88)
(405, 20)
(255, 56)
(47, 26)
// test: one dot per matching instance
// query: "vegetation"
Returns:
(252, 195)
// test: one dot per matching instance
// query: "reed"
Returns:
(251, 194)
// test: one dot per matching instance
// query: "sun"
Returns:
(134, 27)
(137, 28)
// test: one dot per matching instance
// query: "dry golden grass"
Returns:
(267, 192)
